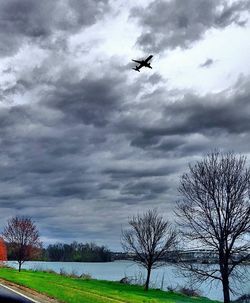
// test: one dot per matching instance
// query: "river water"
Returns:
(163, 277)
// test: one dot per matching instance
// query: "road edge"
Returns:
(19, 293)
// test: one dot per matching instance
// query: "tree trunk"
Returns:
(225, 277)
(226, 291)
(19, 266)
(148, 278)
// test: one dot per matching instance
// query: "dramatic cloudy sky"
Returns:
(85, 140)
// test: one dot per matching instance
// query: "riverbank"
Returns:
(77, 290)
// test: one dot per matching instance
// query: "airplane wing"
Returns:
(137, 61)
(148, 58)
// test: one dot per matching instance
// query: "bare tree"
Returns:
(215, 213)
(22, 236)
(149, 238)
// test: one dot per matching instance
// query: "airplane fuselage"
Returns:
(144, 63)
(147, 64)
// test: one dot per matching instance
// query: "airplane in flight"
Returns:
(142, 63)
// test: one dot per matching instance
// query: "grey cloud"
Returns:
(230, 13)
(178, 23)
(174, 145)
(85, 13)
(38, 20)
(34, 151)
(171, 143)
(213, 113)
(156, 79)
(144, 188)
(207, 63)
(126, 173)
(144, 140)
(7, 70)
(89, 101)
(48, 146)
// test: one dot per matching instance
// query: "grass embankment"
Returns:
(77, 290)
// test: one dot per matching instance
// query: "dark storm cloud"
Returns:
(211, 115)
(144, 140)
(178, 23)
(135, 173)
(38, 21)
(144, 188)
(166, 143)
(183, 146)
(16, 115)
(231, 13)
(179, 123)
(53, 150)
(35, 151)
(52, 147)
(88, 101)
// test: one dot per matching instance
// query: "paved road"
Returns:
(8, 296)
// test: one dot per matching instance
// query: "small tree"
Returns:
(23, 239)
(215, 212)
(149, 239)
(3, 251)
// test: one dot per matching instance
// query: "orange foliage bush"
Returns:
(3, 251)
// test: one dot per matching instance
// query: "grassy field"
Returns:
(77, 290)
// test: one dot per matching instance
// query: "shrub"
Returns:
(189, 292)
(171, 288)
(49, 271)
(125, 280)
(85, 276)
(63, 272)
(73, 274)
(243, 299)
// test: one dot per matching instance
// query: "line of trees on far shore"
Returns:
(62, 252)
(76, 252)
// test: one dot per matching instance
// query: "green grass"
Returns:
(77, 290)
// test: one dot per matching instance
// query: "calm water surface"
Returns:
(114, 271)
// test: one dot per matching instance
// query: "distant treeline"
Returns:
(74, 252)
